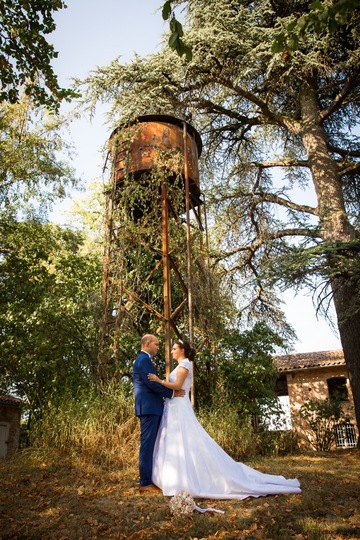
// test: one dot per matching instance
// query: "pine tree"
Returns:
(270, 122)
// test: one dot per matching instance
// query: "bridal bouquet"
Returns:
(182, 504)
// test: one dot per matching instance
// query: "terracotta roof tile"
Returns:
(6, 399)
(292, 362)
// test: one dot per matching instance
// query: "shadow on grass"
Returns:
(50, 496)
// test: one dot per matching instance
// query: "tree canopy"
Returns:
(320, 17)
(49, 311)
(34, 171)
(244, 373)
(49, 281)
(26, 55)
(281, 149)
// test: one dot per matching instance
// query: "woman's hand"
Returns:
(154, 378)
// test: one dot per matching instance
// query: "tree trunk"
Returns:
(335, 227)
(350, 336)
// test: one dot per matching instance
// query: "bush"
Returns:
(236, 437)
(278, 443)
(319, 418)
(100, 425)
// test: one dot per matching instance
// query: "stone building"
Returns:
(10, 416)
(316, 375)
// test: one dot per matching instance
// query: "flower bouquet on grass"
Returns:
(182, 504)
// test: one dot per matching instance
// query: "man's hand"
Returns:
(179, 393)
(153, 377)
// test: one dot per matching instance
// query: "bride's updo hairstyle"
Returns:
(186, 347)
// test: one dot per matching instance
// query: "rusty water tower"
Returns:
(136, 150)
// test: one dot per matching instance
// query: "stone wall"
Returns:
(308, 384)
(12, 415)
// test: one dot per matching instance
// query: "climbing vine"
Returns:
(134, 267)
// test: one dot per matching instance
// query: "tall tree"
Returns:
(49, 313)
(26, 55)
(33, 169)
(48, 282)
(270, 123)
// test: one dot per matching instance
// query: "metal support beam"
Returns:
(166, 274)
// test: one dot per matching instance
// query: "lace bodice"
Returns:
(187, 383)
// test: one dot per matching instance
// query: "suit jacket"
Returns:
(148, 395)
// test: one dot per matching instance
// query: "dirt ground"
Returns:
(47, 496)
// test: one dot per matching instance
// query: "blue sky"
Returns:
(91, 33)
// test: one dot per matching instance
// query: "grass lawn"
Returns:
(46, 495)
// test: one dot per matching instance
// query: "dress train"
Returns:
(187, 458)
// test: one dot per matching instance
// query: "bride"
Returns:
(187, 458)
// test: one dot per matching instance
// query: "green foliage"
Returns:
(49, 313)
(322, 17)
(26, 55)
(87, 214)
(245, 373)
(49, 284)
(319, 420)
(315, 266)
(31, 184)
(303, 263)
(175, 40)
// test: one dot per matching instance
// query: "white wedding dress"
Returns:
(186, 457)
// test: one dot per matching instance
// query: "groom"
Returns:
(149, 406)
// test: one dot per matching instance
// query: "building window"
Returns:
(337, 388)
(280, 421)
(281, 387)
(345, 435)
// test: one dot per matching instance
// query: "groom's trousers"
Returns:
(149, 425)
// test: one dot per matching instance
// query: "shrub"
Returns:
(100, 425)
(278, 443)
(319, 418)
(236, 437)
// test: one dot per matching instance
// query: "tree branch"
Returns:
(282, 163)
(344, 152)
(349, 168)
(210, 106)
(350, 84)
(273, 198)
(258, 197)
(265, 239)
(273, 118)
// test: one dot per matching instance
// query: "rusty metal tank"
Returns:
(149, 134)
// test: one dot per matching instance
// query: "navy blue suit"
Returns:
(149, 406)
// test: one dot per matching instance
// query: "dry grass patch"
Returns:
(48, 496)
